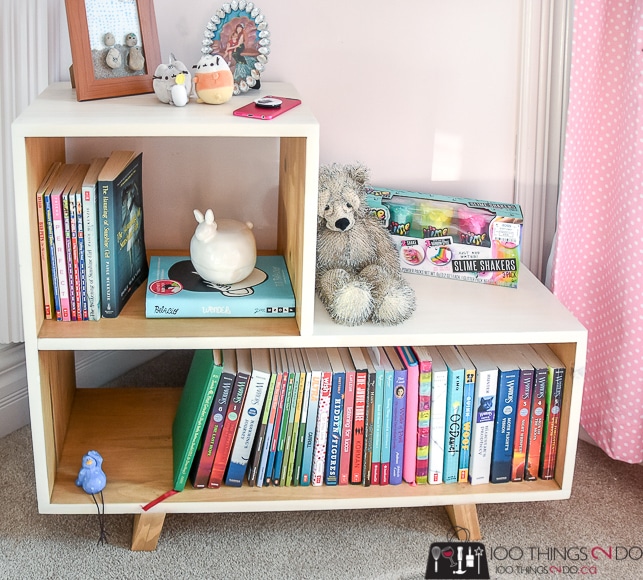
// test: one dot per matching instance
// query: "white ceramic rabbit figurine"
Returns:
(222, 251)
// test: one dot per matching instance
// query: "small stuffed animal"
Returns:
(222, 252)
(172, 82)
(358, 274)
(213, 82)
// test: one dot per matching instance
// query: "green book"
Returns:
(300, 416)
(303, 421)
(193, 411)
(281, 464)
(293, 421)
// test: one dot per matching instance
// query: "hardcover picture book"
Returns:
(123, 260)
(175, 290)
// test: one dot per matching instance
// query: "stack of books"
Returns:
(369, 416)
(92, 243)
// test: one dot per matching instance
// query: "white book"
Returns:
(438, 416)
(90, 231)
(323, 415)
(484, 405)
(250, 416)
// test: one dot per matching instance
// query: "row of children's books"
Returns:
(369, 416)
(92, 247)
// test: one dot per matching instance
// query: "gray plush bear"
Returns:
(358, 273)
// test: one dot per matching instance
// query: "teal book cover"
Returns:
(123, 258)
(175, 290)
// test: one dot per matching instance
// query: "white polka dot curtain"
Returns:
(598, 265)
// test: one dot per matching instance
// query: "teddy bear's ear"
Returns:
(324, 172)
(358, 172)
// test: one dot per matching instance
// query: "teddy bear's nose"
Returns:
(342, 223)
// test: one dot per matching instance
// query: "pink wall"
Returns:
(424, 92)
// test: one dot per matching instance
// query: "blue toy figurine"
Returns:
(91, 477)
(93, 480)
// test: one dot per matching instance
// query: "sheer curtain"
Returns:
(598, 264)
(24, 62)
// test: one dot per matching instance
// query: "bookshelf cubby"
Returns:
(131, 427)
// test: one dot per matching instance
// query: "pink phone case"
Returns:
(252, 111)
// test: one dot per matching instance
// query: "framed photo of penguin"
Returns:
(239, 33)
(114, 47)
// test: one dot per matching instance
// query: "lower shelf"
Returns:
(131, 428)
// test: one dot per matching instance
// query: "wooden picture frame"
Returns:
(89, 21)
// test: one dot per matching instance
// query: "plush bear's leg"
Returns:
(347, 299)
(394, 299)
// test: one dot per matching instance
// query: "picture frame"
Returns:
(114, 47)
(238, 32)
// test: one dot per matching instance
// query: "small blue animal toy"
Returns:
(91, 476)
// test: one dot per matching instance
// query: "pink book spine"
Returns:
(61, 262)
(411, 425)
(347, 429)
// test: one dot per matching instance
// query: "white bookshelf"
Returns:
(132, 427)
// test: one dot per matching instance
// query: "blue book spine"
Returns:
(467, 421)
(398, 426)
(52, 255)
(452, 435)
(69, 257)
(80, 233)
(504, 428)
(331, 476)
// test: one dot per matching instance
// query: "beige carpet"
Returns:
(605, 512)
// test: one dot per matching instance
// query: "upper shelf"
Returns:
(57, 113)
(448, 312)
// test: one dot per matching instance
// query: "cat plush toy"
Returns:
(172, 83)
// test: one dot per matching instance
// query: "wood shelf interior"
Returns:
(131, 428)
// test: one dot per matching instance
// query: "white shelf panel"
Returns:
(57, 113)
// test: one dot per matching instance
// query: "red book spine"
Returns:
(229, 430)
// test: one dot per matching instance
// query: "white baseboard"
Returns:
(93, 369)
(14, 398)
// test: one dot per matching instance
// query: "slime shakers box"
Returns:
(452, 237)
(175, 290)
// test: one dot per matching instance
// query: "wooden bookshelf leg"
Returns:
(147, 530)
(465, 516)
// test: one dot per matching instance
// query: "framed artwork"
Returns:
(114, 47)
(239, 33)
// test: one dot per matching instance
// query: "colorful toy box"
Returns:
(452, 237)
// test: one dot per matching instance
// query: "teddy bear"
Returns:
(358, 275)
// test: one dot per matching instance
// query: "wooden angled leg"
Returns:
(147, 530)
(465, 516)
